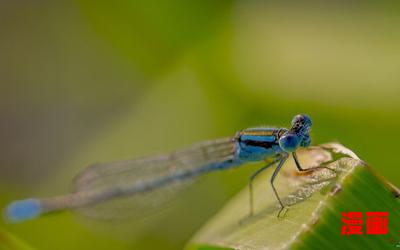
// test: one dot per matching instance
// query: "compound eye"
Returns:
(297, 119)
(289, 142)
(301, 120)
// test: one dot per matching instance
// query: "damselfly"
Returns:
(106, 189)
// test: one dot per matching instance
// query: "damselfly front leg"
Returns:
(296, 160)
(297, 163)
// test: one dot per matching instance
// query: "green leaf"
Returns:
(316, 200)
(10, 242)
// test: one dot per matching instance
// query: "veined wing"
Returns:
(119, 185)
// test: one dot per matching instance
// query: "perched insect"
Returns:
(111, 189)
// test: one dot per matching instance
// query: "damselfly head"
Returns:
(301, 125)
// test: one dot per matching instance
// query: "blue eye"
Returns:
(289, 142)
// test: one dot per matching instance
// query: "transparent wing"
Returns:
(125, 174)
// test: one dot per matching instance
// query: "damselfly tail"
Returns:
(23, 210)
(134, 187)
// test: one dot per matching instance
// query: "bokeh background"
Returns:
(84, 82)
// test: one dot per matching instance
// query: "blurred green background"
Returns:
(85, 82)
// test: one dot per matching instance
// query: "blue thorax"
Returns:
(256, 144)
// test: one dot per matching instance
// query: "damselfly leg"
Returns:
(280, 160)
(276, 171)
(251, 179)
(297, 163)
